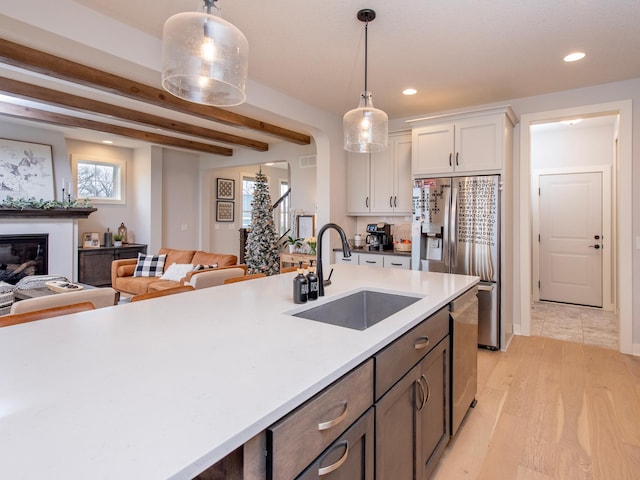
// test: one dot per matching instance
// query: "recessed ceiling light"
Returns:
(574, 57)
(573, 121)
(409, 91)
(108, 142)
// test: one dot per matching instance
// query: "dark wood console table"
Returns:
(94, 264)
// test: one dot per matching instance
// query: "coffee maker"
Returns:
(379, 236)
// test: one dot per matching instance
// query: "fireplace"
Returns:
(22, 255)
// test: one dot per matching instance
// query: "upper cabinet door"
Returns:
(479, 144)
(432, 149)
(381, 188)
(358, 173)
(403, 186)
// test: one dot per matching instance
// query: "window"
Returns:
(248, 185)
(100, 181)
(283, 224)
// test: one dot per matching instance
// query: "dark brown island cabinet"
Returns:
(94, 264)
(387, 419)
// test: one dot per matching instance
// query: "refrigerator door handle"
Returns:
(446, 241)
(483, 287)
(453, 231)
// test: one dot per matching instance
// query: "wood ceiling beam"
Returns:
(34, 60)
(61, 99)
(19, 111)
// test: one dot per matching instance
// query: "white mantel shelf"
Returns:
(167, 387)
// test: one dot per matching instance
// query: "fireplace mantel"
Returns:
(59, 212)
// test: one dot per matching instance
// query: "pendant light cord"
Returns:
(366, 54)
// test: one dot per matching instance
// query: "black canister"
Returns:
(108, 239)
(300, 287)
(312, 278)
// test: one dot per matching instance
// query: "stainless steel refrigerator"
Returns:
(456, 229)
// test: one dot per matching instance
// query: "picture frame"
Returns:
(26, 170)
(225, 211)
(90, 240)
(225, 189)
(306, 226)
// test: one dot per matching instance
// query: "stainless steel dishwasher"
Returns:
(464, 355)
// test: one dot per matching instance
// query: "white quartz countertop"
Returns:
(164, 388)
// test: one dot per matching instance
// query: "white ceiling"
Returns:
(456, 53)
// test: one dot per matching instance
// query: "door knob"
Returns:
(597, 237)
(594, 246)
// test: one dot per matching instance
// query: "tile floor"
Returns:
(591, 326)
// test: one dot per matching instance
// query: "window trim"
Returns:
(122, 169)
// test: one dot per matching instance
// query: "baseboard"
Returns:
(635, 350)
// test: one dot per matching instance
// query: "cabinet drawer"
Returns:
(352, 260)
(350, 457)
(397, 262)
(296, 440)
(371, 260)
(395, 360)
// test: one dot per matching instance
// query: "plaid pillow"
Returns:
(149, 265)
(204, 267)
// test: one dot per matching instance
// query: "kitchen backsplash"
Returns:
(400, 227)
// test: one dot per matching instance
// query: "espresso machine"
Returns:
(379, 236)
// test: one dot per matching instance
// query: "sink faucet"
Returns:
(345, 250)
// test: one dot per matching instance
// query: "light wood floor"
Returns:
(551, 410)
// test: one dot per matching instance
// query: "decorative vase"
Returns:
(117, 243)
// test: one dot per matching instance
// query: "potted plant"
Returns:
(117, 240)
(294, 243)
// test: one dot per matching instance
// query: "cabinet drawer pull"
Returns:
(346, 259)
(366, 202)
(391, 201)
(423, 342)
(335, 421)
(457, 154)
(334, 466)
(450, 155)
(370, 261)
(396, 264)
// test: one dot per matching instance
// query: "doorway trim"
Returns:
(623, 207)
(608, 302)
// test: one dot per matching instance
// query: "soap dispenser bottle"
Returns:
(300, 287)
(312, 278)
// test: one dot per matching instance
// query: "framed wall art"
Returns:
(26, 170)
(90, 240)
(225, 189)
(306, 226)
(224, 211)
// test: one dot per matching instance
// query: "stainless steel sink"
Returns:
(359, 310)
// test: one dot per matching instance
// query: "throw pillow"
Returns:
(149, 265)
(204, 267)
(176, 271)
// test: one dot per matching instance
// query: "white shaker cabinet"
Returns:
(465, 145)
(380, 183)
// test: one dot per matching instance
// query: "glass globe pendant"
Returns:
(205, 58)
(366, 129)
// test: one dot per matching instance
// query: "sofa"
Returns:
(123, 279)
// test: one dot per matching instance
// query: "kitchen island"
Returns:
(167, 387)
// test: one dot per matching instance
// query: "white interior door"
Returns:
(571, 238)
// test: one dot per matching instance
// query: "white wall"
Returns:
(575, 146)
(180, 199)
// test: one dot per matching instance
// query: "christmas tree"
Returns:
(262, 252)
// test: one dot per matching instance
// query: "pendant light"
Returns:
(366, 128)
(205, 58)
